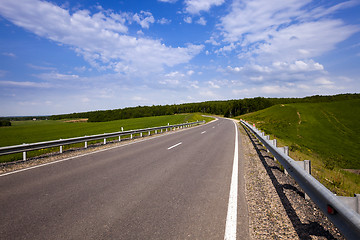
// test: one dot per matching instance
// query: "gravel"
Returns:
(276, 204)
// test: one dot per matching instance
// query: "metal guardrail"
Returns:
(60, 143)
(344, 218)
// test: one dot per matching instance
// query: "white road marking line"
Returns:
(174, 145)
(203, 132)
(231, 219)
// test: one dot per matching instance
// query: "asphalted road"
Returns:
(175, 186)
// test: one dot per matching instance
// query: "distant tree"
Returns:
(5, 123)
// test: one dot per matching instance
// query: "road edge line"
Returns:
(231, 219)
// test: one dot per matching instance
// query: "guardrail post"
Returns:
(307, 168)
(61, 148)
(274, 142)
(306, 165)
(267, 137)
(286, 151)
(351, 202)
(24, 153)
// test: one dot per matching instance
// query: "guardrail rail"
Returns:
(344, 217)
(23, 148)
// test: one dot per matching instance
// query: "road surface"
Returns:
(175, 186)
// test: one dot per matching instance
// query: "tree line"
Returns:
(229, 108)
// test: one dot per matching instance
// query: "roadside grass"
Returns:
(328, 134)
(46, 130)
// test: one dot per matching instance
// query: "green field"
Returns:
(45, 130)
(326, 133)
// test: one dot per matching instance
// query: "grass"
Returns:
(46, 130)
(328, 134)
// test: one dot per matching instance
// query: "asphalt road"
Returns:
(171, 187)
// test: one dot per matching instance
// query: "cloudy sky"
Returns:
(72, 56)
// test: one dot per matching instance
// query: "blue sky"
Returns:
(73, 56)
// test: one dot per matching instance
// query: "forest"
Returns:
(229, 108)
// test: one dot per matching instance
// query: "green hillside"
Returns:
(327, 133)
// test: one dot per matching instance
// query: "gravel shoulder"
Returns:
(276, 204)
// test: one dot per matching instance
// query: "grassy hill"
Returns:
(327, 133)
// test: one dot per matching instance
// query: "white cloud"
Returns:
(257, 78)
(195, 6)
(139, 99)
(234, 69)
(267, 90)
(302, 66)
(57, 76)
(213, 85)
(9, 54)
(212, 41)
(227, 48)
(100, 38)
(144, 19)
(305, 40)
(177, 81)
(323, 81)
(85, 100)
(188, 19)
(201, 21)
(174, 74)
(40, 67)
(164, 21)
(172, 82)
(277, 44)
(283, 30)
(25, 84)
(208, 94)
(190, 72)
